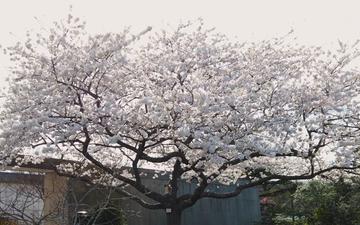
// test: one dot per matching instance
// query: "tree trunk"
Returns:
(173, 217)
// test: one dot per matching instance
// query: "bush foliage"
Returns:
(316, 203)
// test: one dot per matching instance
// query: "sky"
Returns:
(315, 22)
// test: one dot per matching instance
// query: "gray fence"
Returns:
(241, 210)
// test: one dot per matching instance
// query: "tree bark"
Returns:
(174, 217)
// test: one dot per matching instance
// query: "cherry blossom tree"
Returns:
(188, 102)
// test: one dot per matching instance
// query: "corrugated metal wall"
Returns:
(241, 210)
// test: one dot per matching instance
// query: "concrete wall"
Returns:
(33, 197)
(55, 205)
(20, 200)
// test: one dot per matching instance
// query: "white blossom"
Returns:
(270, 105)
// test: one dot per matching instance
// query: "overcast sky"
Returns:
(316, 22)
